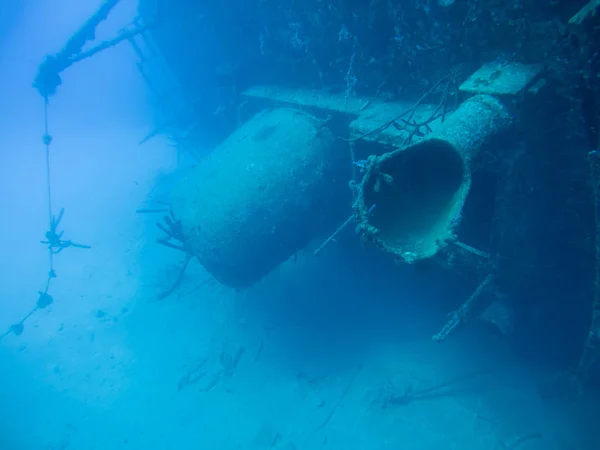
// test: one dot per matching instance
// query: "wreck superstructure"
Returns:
(466, 131)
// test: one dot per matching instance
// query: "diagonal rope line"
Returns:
(47, 142)
(46, 82)
(44, 299)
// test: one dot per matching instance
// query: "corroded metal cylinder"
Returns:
(410, 200)
(276, 183)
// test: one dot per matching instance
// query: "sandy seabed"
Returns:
(109, 366)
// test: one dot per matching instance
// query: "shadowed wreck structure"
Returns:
(468, 131)
(390, 213)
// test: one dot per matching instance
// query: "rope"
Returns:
(53, 240)
(46, 82)
(47, 141)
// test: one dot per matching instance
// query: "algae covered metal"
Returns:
(273, 185)
(410, 200)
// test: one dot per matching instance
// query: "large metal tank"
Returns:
(273, 185)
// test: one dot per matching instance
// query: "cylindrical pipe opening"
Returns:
(412, 194)
(411, 199)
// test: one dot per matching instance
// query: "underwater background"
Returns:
(299, 225)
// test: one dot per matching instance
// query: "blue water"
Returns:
(327, 352)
